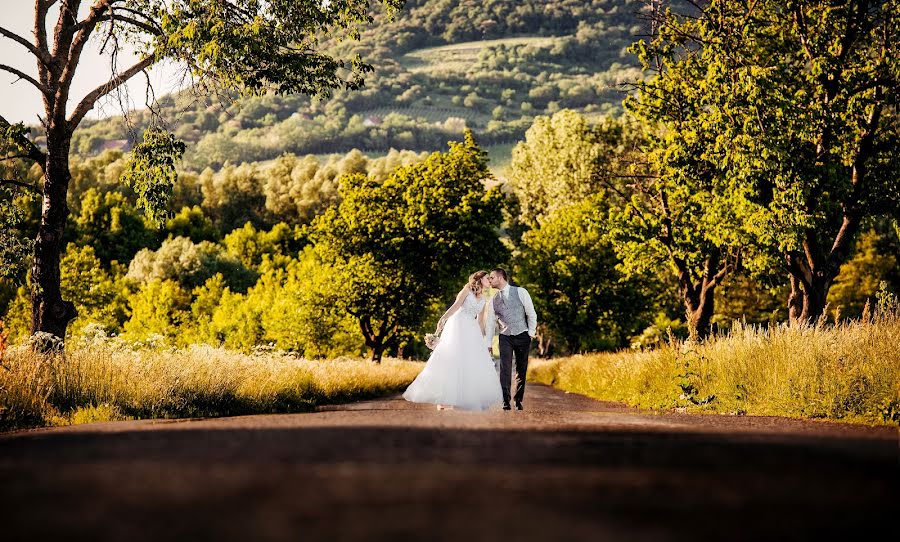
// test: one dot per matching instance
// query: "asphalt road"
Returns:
(567, 468)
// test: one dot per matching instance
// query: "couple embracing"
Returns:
(460, 372)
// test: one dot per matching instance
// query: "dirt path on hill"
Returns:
(568, 468)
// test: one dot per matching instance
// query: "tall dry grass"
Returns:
(849, 371)
(105, 379)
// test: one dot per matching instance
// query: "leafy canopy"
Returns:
(399, 244)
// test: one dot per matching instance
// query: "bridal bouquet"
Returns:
(431, 340)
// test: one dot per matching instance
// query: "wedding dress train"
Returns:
(460, 372)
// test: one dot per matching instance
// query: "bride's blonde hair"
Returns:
(475, 281)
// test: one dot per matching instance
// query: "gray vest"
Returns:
(511, 313)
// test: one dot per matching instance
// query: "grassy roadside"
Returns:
(849, 372)
(109, 381)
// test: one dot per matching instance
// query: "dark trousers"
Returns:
(514, 346)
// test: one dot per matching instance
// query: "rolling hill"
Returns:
(442, 66)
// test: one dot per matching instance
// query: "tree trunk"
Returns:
(813, 271)
(49, 312)
(699, 302)
(377, 340)
(816, 298)
(544, 342)
(699, 297)
(376, 351)
(807, 300)
(796, 300)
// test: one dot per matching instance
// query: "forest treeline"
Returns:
(340, 255)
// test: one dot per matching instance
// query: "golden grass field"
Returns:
(848, 372)
(109, 381)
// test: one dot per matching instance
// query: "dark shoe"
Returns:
(518, 405)
(506, 406)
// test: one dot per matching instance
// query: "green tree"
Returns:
(399, 244)
(563, 160)
(189, 264)
(234, 196)
(302, 312)
(158, 308)
(792, 107)
(192, 223)
(112, 226)
(250, 246)
(584, 300)
(665, 218)
(101, 296)
(244, 45)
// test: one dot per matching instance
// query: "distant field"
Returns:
(431, 114)
(500, 156)
(459, 56)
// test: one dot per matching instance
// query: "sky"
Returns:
(21, 102)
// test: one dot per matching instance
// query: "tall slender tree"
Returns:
(250, 46)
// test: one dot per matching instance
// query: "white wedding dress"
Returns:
(460, 372)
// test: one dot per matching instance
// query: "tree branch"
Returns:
(21, 184)
(84, 30)
(37, 52)
(146, 27)
(40, 42)
(24, 76)
(14, 157)
(798, 270)
(800, 20)
(90, 100)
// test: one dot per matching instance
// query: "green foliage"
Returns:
(400, 243)
(109, 224)
(570, 52)
(251, 247)
(151, 172)
(564, 160)
(18, 315)
(15, 249)
(255, 46)
(158, 310)
(861, 276)
(102, 172)
(786, 121)
(292, 308)
(15, 180)
(189, 264)
(100, 296)
(580, 295)
(193, 224)
(234, 196)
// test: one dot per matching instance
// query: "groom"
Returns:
(518, 325)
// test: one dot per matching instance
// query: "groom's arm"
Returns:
(530, 315)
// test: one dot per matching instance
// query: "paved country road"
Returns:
(568, 468)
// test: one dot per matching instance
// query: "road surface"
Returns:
(568, 468)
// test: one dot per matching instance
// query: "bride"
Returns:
(460, 372)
